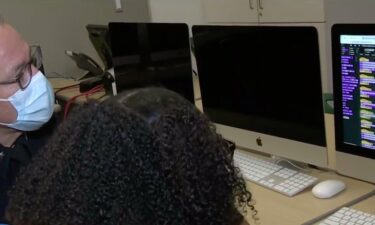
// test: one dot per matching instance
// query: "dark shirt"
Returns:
(17, 156)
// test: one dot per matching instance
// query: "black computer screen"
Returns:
(152, 54)
(262, 78)
(353, 52)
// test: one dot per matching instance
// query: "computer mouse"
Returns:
(328, 188)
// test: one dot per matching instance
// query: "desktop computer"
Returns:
(152, 54)
(353, 63)
(261, 85)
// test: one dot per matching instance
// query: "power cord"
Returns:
(92, 91)
(278, 160)
(66, 87)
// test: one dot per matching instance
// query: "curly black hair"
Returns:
(147, 156)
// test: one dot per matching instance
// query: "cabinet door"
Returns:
(230, 11)
(291, 11)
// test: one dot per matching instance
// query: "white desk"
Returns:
(367, 205)
(277, 209)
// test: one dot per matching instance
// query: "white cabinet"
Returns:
(263, 11)
(291, 11)
(230, 11)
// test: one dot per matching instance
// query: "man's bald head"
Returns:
(14, 54)
(15, 70)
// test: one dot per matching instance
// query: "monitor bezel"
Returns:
(336, 31)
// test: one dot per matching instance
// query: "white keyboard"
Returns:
(349, 216)
(270, 175)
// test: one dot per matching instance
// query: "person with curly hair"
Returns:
(144, 157)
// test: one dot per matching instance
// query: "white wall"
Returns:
(58, 25)
(186, 11)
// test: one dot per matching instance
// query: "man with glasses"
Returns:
(26, 104)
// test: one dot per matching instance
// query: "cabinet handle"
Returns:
(251, 4)
(260, 4)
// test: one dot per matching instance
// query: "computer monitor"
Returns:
(261, 85)
(353, 58)
(152, 54)
(99, 37)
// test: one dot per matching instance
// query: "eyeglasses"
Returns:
(23, 78)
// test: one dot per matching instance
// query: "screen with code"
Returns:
(358, 89)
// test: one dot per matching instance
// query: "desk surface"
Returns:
(367, 205)
(277, 209)
(58, 83)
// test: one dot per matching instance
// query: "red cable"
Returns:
(87, 93)
(66, 87)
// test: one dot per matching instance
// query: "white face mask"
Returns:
(34, 105)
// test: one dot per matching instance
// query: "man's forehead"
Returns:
(13, 49)
(10, 38)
